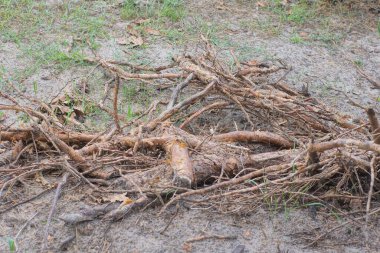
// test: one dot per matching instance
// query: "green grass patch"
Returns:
(299, 12)
(11, 245)
(296, 39)
(175, 35)
(173, 10)
(264, 24)
(21, 19)
(136, 93)
(129, 10)
(29, 19)
(28, 22)
(359, 63)
(45, 54)
(326, 36)
(327, 32)
(200, 26)
(84, 24)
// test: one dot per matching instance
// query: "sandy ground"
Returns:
(327, 69)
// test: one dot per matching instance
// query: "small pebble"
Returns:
(239, 249)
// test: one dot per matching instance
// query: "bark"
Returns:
(257, 136)
(208, 167)
(346, 143)
(125, 75)
(202, 74)
(257, 70)
(179, 160)
(26, 134)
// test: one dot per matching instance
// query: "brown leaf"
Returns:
(152, 31)
(136, 40)
(50, 238)
(221, 6)
(261, 4)
(252, 63)
(58, 109)
(131, 30)
(79, 114)
(122, 41)
(140, 21)
(126, 201)
(187, 247)
(304, 35)
(115, 198)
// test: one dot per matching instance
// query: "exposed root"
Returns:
(217, 162)
(258, 136)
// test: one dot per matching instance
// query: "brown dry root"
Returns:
(257, 136)
(180, 162)
(155, 161)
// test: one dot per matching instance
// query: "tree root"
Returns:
(156, 161)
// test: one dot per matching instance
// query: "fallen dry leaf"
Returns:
(131, 30)
(136, 40)
(152, 31)
(127, 201)
(122, 41)
(221, 6)
(115, 198)
(187, 247)
(118, 198)
(50, 238)
(261, 4)
(304, 35)
(140, 21)
(252, 63)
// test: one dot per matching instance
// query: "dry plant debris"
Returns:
(293, 148)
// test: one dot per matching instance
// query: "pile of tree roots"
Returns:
(223, 139)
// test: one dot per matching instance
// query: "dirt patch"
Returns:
(141, 232)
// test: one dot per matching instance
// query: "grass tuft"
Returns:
(129, 10)
(300, 13)
(173, 10)
(296, 39)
